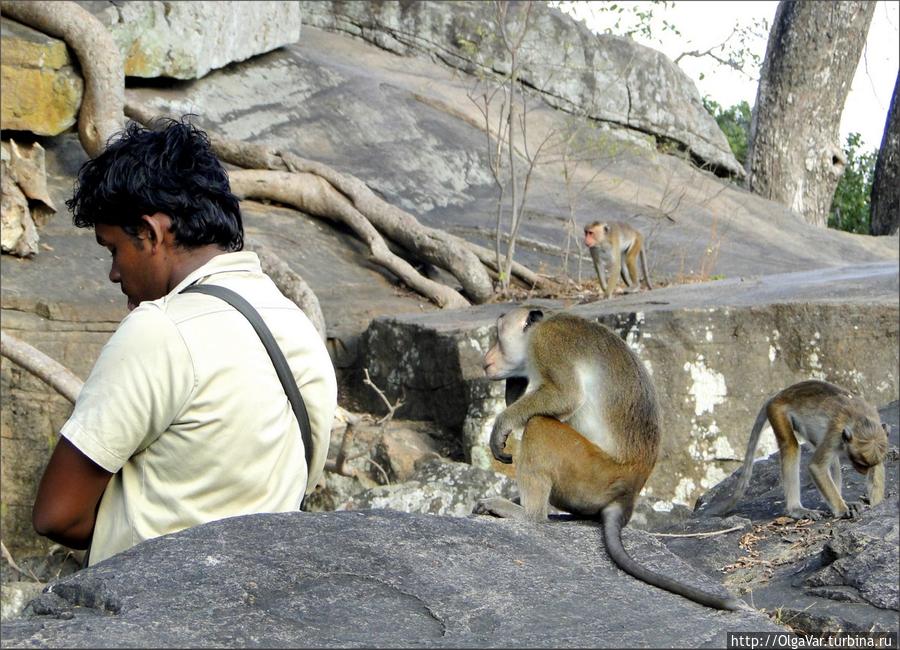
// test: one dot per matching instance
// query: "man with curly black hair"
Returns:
(183, 419)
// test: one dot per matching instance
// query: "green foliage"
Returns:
(735, 124)
(850, 205)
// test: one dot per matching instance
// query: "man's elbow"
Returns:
(61, 528)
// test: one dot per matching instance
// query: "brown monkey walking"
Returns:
(831, 419)
(607, 242)
(592, 429)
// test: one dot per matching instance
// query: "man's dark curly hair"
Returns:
(170, 169)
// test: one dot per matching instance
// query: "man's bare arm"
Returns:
(65, 508)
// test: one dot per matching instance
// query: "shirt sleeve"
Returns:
(136, 389)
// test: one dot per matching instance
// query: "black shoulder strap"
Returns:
(275, 354)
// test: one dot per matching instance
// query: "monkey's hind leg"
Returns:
(534, 462)
(499, 507)
(629, 271)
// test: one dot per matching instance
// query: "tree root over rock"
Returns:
(319, 190)
(101, 114)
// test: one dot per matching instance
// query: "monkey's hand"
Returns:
(499, 434)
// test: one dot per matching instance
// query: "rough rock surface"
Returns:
(185, 40)
(14, 596)
(438, 487)
(715, 351)
(604, 77)
(818, 577)
(41, 88)
(375, 579)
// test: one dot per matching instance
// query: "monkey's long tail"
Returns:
(612, 535)
(747, 468)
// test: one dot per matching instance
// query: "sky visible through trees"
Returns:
(692, 25)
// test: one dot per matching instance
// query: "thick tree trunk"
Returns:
(102, 108)
(795, 156)
(885, 202)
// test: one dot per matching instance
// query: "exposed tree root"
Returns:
(324, 192)
(467, 262)
(314, 195)
(289, 283)
(40, 365)
(102, 108)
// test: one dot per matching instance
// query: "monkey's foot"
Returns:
(498, 507)
(805, 513)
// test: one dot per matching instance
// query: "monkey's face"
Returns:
(507, 357)
(866, 444)
(595, 233)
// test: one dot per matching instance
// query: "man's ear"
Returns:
(155, 227)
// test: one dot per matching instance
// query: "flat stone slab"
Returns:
(377, 579)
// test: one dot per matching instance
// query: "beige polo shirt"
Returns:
(184, 406)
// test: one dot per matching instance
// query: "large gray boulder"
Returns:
(376, 579)
(185, 40)
(604, 77)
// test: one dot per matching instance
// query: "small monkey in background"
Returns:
(592, 429)
(609, 242)
(831, 419)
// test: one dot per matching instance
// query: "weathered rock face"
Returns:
(713, 367)
(31, 414)
(606, 78)
(15, 595)
(25, 204)
(41, 88)
(185, 40)
(822, 577)
(438, 487)
(375, 578)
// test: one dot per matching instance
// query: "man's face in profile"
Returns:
(136, 263)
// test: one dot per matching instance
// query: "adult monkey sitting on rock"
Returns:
(183, 419)
(592, 429)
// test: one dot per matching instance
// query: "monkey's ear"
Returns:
(534, 316)
(846, 435)
(886, 427)
(605, 228)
